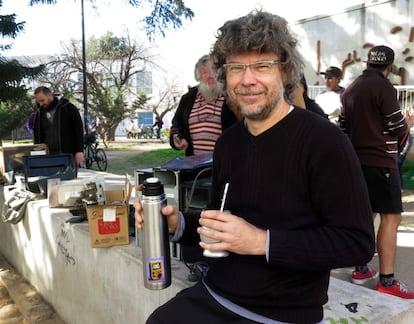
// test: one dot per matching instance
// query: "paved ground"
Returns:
(20, 302)
(404, 258)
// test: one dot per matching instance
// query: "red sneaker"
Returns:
(360, 278)
(397, 289)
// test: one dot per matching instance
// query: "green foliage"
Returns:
(107, 47)
(14, 114)
(140, 101)
(108, 103)
(112, 63)
(164, 13)
(408, 165)
(33, 2)
(115, 61)
(11, 75)
(9, 28)
(15, 106)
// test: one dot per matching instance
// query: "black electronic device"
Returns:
(39, 168)
(187, 184)
(76, 219)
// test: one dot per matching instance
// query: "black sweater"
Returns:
(301, 180)
(372, 118)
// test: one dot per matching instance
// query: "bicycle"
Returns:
(94, 154)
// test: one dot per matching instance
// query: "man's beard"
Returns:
(210, 92)
(261, 112)
(50, 105)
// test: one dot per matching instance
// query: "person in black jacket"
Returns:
(202, 114)
(310, 104)
(158, 124)
(58, 124)
(372, 118)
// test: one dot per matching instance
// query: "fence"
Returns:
(405, 94)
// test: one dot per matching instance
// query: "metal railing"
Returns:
(405, 94)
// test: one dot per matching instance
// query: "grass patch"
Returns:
(408, 165)
(129, 164)
(155, 158)
(17, 142)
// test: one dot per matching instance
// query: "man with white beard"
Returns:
(202, 114)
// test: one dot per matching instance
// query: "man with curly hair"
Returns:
(295, 214)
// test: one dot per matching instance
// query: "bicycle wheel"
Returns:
(101, 160)
(88, 155)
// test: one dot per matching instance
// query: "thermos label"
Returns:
(155, 268)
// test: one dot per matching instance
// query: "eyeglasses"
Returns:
(257, 68)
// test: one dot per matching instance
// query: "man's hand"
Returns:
(409, 116)
(169, 211)
(236, 235)
(180, 143)
(79, 158)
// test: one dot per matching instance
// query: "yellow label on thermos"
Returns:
(156, 269)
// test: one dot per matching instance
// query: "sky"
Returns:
(47, 26)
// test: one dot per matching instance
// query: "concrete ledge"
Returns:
(83, 284)
(349, 303)
(87, 285)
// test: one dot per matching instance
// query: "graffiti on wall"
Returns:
(353, 57)
(63, 242)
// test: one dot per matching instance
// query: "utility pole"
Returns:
(85, 90)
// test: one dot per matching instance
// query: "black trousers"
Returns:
(194, 305)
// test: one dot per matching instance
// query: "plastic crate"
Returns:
(38, 169)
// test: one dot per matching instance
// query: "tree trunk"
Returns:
(111, 134)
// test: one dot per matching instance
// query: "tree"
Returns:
(12, 74)
(14, 103)
(163, 13)
(112, 65)
(9, 28)
(13, 114)
(167, 98)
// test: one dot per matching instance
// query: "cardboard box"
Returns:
(108, 224)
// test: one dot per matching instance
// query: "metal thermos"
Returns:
(155, 239)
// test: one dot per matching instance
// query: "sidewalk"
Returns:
(20, 302)
(363, 303)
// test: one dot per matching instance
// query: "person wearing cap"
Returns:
(329, 99)
(372, 119)
(308, 103)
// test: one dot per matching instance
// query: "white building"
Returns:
(343, 39)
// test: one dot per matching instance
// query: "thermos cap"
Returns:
(152, 187)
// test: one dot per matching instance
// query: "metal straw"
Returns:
(223, 199)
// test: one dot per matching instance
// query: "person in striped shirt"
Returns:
(202, 114)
